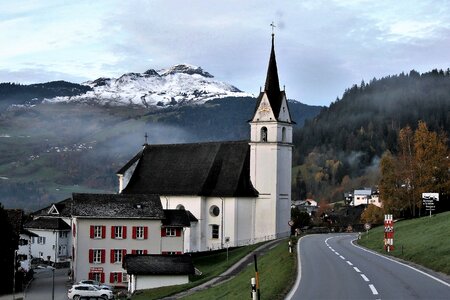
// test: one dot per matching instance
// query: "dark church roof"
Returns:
(202, 169)
(154, 264)
(117, 206)
(47, 223)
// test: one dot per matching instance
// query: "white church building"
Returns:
(240, 192)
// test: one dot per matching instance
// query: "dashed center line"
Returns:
(365, 278)
(373, 289)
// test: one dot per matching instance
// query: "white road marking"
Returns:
(342, 257)
(337, 253)
(373, 289)
(356, 269)
(365, 278)
(349, 263)
(400, 263)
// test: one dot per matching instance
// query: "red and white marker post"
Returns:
(388, 233)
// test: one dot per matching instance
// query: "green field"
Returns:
(276, 272)
(424, 241)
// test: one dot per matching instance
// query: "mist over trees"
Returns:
(340, 149)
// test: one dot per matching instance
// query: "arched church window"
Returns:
(264, 134)
(180, 207)
(283, 134)
(214, 210)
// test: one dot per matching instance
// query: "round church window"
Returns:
(180, 207)
(214, 210)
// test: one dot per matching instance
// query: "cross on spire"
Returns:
(273, 27)
(145, 139)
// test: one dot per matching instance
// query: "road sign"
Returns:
(291, 223)
(367, 226)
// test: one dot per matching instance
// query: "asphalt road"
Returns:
(41, 286)
(331, 267)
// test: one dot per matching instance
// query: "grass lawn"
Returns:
(424, 241)
(277, 272)
(210, 266)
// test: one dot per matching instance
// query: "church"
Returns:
(239, 192)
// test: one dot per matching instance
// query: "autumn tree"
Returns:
(372, 215)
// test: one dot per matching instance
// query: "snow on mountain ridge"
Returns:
(180, 84)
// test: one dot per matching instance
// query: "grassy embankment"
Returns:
(423, 241)
(276, 270)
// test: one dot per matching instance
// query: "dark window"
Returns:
(214, 210)
(215, 231)
(264, 134)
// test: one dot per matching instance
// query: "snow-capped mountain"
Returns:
(180, 84)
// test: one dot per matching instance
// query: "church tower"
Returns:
(271, 157)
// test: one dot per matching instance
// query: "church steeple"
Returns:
(272, 86)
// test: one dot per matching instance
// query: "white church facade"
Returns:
(240, 192)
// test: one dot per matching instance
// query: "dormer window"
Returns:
(264, 134)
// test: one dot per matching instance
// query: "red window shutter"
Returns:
(178, 231)
(111, 277)
(102, 277)
(134, 232)
(103, 252)
(91, 255)
(91, 276)
(145, 251)
(133, 251)
(92, 231)
(119, 277)
(164, 252)
(124, 231)
(145, 232)
(163, 231)
(74, 230)
(178, 252)
(113, 232)
(112, 256)
(124, 252)
(103, 232)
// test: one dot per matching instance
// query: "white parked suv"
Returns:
(82, 290)
(96, 283)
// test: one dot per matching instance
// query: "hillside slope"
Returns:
(418, 240)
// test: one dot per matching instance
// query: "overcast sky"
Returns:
(322, 47)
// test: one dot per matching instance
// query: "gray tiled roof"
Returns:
(158, 264)
(47, 223)
(63, 208)
(219, 169)
(178, 217)
(117, 206)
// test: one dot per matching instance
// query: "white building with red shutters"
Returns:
(106, 227)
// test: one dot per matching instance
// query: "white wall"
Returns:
(50, 248)
(83, 243)
(140, 282)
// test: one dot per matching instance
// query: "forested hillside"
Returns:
(340, 149)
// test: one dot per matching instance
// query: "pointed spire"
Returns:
(272, 86)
